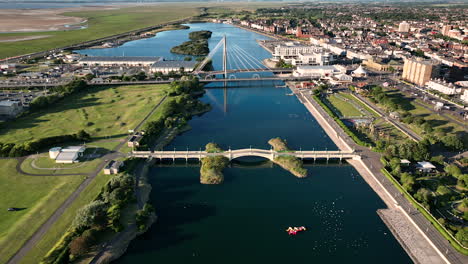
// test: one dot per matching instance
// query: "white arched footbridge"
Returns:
(238, 153)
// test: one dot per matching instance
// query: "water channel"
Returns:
(244, 219)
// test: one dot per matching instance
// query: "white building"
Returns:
(319, 71)
(175, 66)
(442, 86)
(314, 58)
(10, 108)
(464, 96)
(404, 27)
(291, 50)
(425, 166)
(359, 72)
(66, 155)
(119, 61)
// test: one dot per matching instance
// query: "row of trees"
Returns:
(30, 147)
(94, 219)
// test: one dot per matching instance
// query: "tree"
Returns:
(91, 214)
(453, 170)
(79, 246)
(408, 181)
(452, 142)
(462, 236)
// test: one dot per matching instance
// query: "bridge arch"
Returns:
(255, 76)
(232, 77)
(209, 77)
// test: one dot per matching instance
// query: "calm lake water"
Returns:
(244, 219)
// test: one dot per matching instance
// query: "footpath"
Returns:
(422, 242)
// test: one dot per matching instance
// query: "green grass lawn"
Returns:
(436, 120)
(64, 222)
(40, 196)
(101, 23)
(343, 108)
(105, 113)
(45, 162)
(351, 97)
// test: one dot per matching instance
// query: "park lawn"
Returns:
(103, 112)
(45, 162)
(437, 121)
(368, 109)
(40, 196)
(343, 108)
(101, 23)
(63, 223)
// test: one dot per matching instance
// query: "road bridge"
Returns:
(248, 152)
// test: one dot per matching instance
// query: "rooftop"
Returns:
(121, 58)
(174, 64)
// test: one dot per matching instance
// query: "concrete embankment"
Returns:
(405, 232)
(409, 234)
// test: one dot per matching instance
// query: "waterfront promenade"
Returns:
(421, 240)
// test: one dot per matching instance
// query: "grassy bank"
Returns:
(293, 165)
(39, 196)
(105, 113)
(59, 228)
(101, 23)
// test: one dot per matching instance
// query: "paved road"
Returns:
(37, 236)
(372, 161)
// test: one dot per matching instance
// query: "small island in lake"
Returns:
(197, 45)
(287, 162)
(211, 171)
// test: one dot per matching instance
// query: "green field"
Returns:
(64, 222)
(112, 111)
(343, 108)
(103, 112)
(101, 23)
(40, 196)
(44, 163)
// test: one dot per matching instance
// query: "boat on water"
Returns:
(292, 231)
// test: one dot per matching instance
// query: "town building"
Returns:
(173, 66)
(67, 155)
(446, 29)
(425, 166)
(319, 71)
(113, 167)
(119, 61)
(314, 58)
(443, 87)
(464, 96)
(10, 108)
(382, 65)
(359, 72)
(404, 27)
(291, 50)
(419, 71)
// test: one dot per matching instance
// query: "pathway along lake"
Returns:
(245, 218)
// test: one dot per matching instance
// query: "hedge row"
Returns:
(30, 147)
